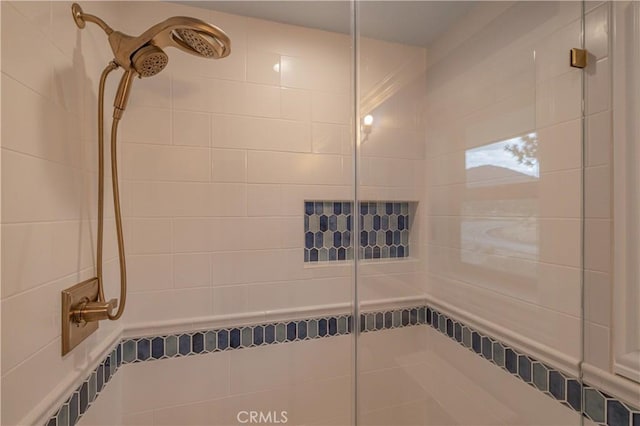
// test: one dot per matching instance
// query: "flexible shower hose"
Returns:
(116, 199)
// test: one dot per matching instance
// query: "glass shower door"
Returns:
(469, 180)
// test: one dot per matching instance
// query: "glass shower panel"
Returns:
(470, 212)
(258, 248)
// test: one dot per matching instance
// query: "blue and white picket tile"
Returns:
(328, 230)
(86, 393)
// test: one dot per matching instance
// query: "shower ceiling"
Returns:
(408, 22)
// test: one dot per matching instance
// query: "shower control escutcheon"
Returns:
(82, 309)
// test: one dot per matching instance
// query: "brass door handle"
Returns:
(93, 311)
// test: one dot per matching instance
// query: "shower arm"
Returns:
(82, 18)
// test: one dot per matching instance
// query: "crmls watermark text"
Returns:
(256, 417)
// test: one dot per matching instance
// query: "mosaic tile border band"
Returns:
(599, 407)
(81, 399)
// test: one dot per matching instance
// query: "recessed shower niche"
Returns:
(383, 230)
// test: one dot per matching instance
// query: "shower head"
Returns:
(143, 55)
(190, 35)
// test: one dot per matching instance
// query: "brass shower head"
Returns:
(190, 35)
(143, 55)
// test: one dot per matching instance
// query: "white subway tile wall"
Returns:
(49, 78)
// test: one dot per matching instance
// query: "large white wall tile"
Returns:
(149, 236)
(596, 26)
(259, 133)
(228, 165)
(165, 163)
(27, 58)
(598, 86)
(149, 272)
(39, 190)
(192, 93)
(598, 139)
(558, 99)
(296, 104)
(288, 364)
(146, 125)
(164, 305)
(191, 270)
(281, 167)
(263, 67)
(156, 199)
(182, 380)
(36, 253)
(56, 139)
(191, 128)
(330, 108)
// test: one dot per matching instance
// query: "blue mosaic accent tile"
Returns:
(302, 330)
(617, 413)
(223, 340)
(157, 347)
(81, 399)
(524, 368)
(557, 385)
(594, 405)
(92, 386)
(129, 351)
(511, 361)
(84, 396)
(144, 349)
(449, 327)
(281, 333)
(291, 331)
(197, 343)
(540, 376)
(498, 354)
(258, 335)
(333, 326)
(184, 344)
(246, 337)
(574, 394)
(171, 346)
(100, 378)
(476, 342)
(328, 227)
(487, 348)
(74, 412)
(210, 340)
(234, 338)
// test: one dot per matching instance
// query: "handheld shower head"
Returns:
(149, 60)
